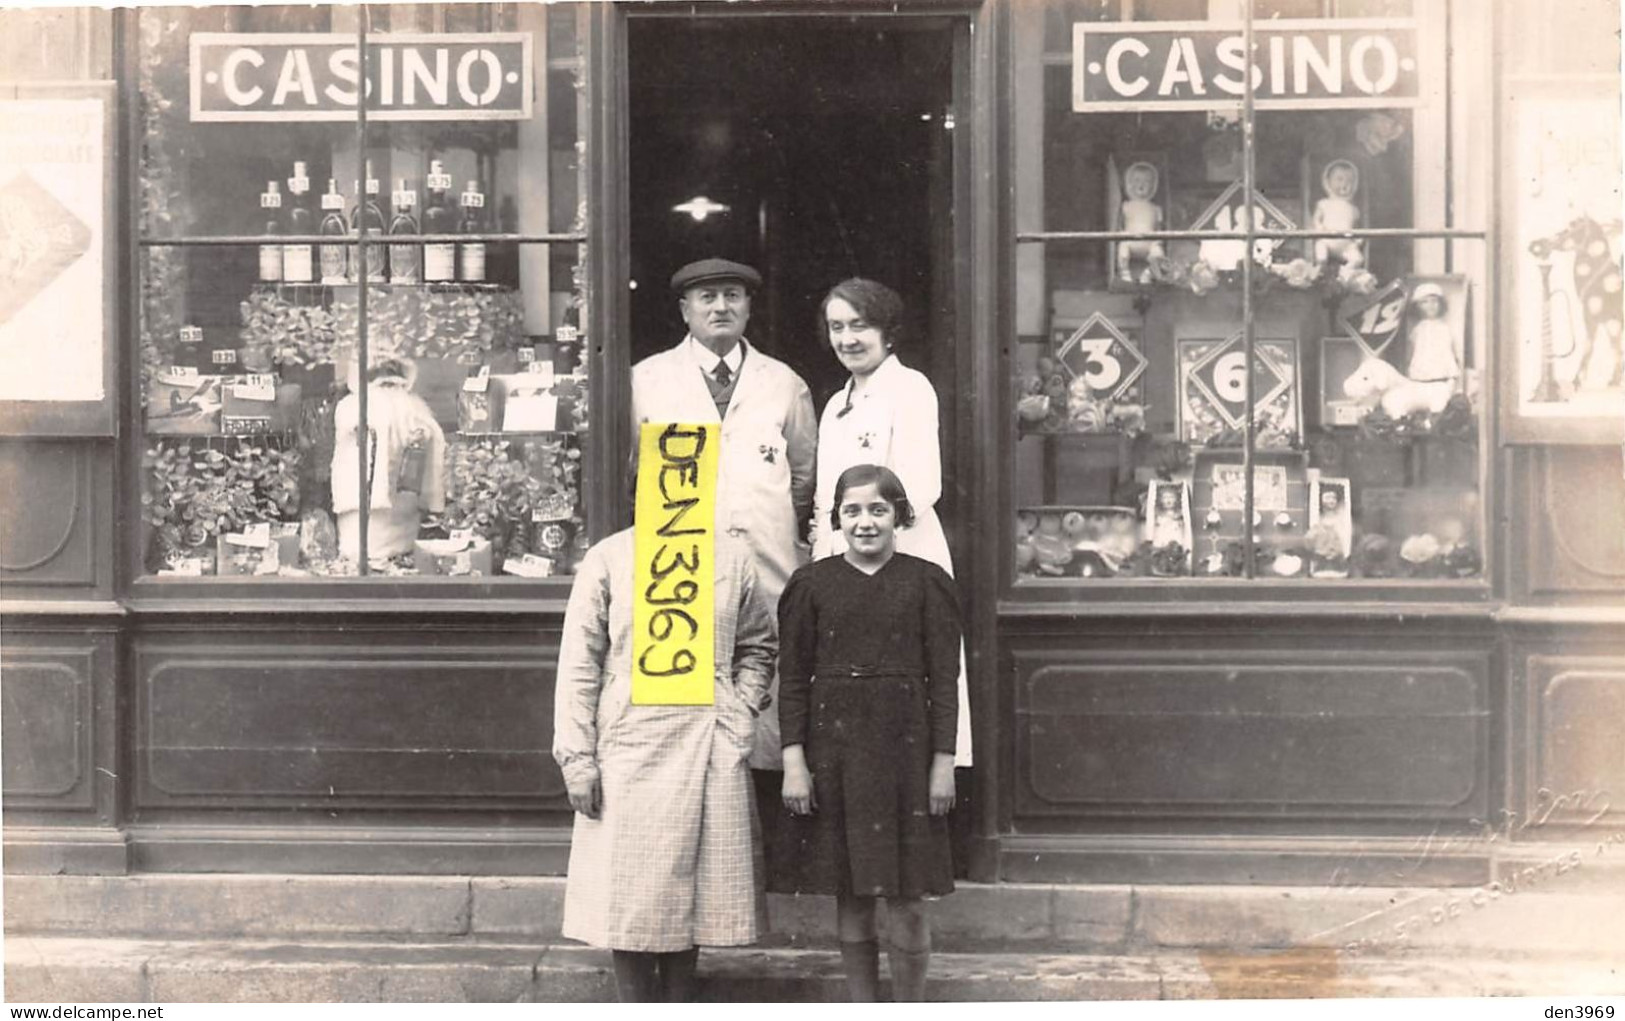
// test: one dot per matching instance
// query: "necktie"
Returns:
(723, 375)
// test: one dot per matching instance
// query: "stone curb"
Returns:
(40, 969)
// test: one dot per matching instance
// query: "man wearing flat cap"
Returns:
(767, 473)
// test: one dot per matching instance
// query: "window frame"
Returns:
(366, 591)
(1283, 596)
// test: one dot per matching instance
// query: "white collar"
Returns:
(708, 361)
(888, 367)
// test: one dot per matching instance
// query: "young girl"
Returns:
(868, 703)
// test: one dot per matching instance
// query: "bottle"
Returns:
(368, 215)
(335, 258)
(405, 260)
(297, 265)
(439, 257)
(502, 257)
(271, 255)
(471, 254)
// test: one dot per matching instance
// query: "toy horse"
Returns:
(1377, 382)
(1597, 282)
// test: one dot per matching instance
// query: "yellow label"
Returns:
(674, 604)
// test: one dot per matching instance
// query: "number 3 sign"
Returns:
(1101, 355)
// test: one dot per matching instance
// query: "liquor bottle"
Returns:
(439, 257)
(502, 257)
(335, 258)
(405, 260)
(471, 254)
(369, 216)
(297, 264)
(271, 255)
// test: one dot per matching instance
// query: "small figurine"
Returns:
(1337, 211)
(1168, 518)
(1432, 344)
(1139, 213)
(1050, 547)
(1330, 510)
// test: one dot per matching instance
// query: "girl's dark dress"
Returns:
(868, 674)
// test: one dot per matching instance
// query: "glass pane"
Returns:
(477, 397)
(1132, 376)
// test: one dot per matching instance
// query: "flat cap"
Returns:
(707, 270)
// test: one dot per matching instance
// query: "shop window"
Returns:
(263, 455)
(1363, 354)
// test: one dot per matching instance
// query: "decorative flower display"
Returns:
(444, 322)
(496, 486)
(195, 493)
(295, 334)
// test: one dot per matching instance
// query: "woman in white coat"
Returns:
(886, 415)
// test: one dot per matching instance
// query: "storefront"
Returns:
(1281, 418)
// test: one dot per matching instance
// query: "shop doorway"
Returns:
(829, 140)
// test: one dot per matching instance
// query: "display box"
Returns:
(182, 403)
(258, 550)
(454, 557)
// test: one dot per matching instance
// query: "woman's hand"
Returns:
(586, 796)
(942, 783)
(798, 783)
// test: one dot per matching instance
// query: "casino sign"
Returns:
(316, 76)
(1197, 65)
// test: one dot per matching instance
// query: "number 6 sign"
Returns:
(1213, 387)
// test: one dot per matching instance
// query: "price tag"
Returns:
(333, 200)
(478, 383)
(566, 334)
(298, 185)
(191, 567)
(460, 537)
(542, 368)
(438, 182)
(224, 356)
(191, 334)
(184, 373)
(372, 186)
(473, 200)
(256, 388)
(527, 355)
(406, 199)
(271, 200)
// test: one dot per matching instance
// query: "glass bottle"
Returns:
(471, 254)
(271, 255)
(335, 258)
(368, 215)
(439, 257)
(297, 265)
(405, 259)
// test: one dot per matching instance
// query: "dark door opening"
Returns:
(826, 139)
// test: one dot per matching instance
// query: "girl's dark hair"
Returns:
(878, 304)
(883, 479)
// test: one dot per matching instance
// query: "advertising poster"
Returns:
(51, 241)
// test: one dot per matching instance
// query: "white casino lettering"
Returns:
(478, 78)
(1370, 65)
(228, 76)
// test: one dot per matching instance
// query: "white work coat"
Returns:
(765, 477)
(892, 422)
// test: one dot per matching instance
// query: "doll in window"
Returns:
(1432, 342)
(1337, 211)
(1139, 213)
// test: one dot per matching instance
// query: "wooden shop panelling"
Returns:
(1576, 760)
(1570, 540)
(51, 495)
(1251, 734)
(49, 733)
(450, 722)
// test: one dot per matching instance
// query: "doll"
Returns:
(1432, 344)
(1139, 213)
(1337, 211)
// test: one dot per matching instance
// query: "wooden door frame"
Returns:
(980, 277)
